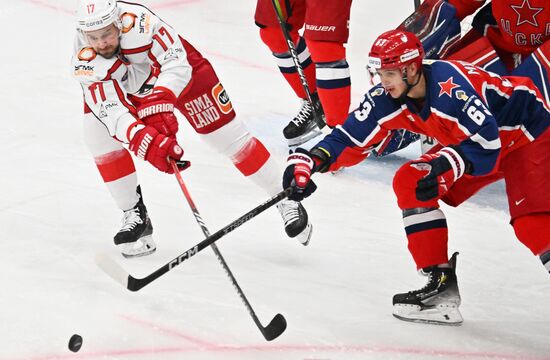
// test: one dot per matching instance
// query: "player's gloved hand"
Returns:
(299, 167)
(444, 168)
(157, 110)
(156, 148)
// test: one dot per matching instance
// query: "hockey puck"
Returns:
(75, 343)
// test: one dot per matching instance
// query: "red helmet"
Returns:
(395, 49)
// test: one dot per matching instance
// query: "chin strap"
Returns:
(405, 78)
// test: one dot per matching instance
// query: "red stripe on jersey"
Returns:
(137, 50)
(113, 68)
(154, 60)
(122, 98)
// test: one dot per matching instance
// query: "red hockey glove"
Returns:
(156, 148)
(298, 173)
(444, 168)
(157, 110)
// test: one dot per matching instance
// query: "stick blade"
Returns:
(111, 268)
(275, 328)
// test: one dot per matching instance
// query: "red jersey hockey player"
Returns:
(508, 37)
(490, 127)
(321, 53)
(134, 70)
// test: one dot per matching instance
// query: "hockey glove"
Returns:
(157, 110)
(444, 168)
(156, 148)
(299, 167)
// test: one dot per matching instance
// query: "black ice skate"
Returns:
(304, 127)
(135, 237)
(435, 303)
(296, 220)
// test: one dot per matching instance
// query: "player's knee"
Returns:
(404, 185)
(326, 51)
(533, 230)
(274, 39)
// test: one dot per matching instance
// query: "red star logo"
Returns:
(526, 13)
(447, 87)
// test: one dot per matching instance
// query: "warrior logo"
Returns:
(222, 99)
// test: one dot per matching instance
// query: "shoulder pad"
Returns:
(138, 25)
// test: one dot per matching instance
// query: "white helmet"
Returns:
(96, 14)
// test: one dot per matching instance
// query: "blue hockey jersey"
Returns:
(485, 115)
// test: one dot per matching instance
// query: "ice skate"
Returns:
(135, 239)
(296, 220)
(435, 303)
(304, 127)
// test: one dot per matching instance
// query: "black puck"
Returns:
(75, 343)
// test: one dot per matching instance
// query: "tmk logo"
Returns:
(183, 257)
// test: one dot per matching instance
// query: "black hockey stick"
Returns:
(294, 54)
(278, 324)
(117, 273)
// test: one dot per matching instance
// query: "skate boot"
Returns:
(435, 303)
(303, 127)
(296, 220)
(135, 237)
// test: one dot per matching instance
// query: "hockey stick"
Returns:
(117, 273)
(294, 54)
(278, 324)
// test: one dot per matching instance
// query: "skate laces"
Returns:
(304, 115)
(131, 219)
(289, 210)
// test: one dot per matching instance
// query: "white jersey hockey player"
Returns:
(134, 70)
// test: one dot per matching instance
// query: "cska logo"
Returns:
(446, 87)
(526, 13)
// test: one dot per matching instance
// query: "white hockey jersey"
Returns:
(151, 56)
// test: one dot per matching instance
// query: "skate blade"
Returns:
(299, 140)
(131, 250)
(442, 314)
(305, 235)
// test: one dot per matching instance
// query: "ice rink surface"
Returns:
(55, 214)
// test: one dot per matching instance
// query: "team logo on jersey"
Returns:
(102, 113)
(172, 54)
(526, 13)
(144, 23)
(222, 99)
(461, 95)
(86, 54)
(378, 92)
(83, 70)
(128, 21)
(446, 87)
